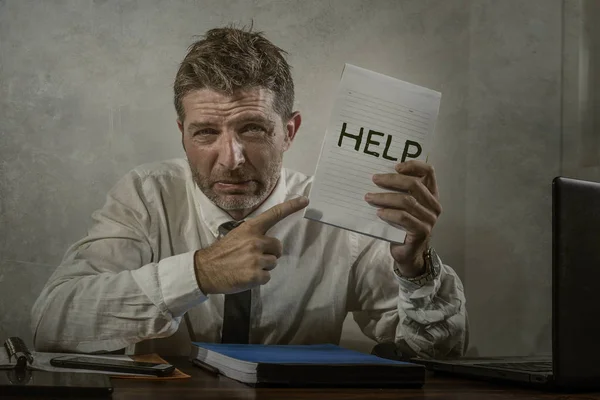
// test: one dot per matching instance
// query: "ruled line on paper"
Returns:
(341, 201)
(353, 127)
(352, 104)
(379, 168)
(389, 123)
(363, 184)
(350, 191)
(344, 169)
(353, 185)
(362, 120)
(369, 98)
(353, 192)
(371, 220)
(342, 159)
(414, 114)
(363, 174)
(394, 128)
(350, 206)
(352, 195)
(371, 217)
(377, 161)
(350, 152)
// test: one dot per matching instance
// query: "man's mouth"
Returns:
(232, 186)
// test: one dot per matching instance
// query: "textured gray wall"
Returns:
(85, 95)
(514, 152)
(581, 93)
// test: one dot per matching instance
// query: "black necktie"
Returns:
(236, 314)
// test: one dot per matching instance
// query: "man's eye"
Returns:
(253, 128)
(205, 132)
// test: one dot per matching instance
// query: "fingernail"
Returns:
(303, 200)
(368, 197)
(376, 178)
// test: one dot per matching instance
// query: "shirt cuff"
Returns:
(178, 285)
(413, 291)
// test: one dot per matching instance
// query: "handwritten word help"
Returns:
(371, 145)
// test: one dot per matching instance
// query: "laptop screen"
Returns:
(576, 281)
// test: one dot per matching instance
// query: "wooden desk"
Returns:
(204, 385)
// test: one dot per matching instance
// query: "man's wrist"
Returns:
(417, 268)
(430, 270)
(177, 288)
(197, 271)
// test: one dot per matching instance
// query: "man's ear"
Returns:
(291, 129)
(180, 126)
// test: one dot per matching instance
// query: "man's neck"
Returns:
(239, 215)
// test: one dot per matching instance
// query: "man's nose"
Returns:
(231, 152)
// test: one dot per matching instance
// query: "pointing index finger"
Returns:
(273, 215)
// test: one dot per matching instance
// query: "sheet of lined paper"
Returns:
(376, 122)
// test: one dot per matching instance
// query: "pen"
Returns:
(15, 347)
(205, 366)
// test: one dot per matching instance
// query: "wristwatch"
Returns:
(433, 266)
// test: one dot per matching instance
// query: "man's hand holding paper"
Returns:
(415, 206)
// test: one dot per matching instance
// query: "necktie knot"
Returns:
(227, 227)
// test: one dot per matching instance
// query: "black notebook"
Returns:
(305, 365)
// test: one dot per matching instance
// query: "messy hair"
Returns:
(231, 59)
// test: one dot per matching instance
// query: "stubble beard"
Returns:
(264, 186)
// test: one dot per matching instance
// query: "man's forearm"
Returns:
(84, 309)
(97, 313)
(433, 318)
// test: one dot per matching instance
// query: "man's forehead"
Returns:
(209, 99)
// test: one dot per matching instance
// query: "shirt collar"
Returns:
(214, 217)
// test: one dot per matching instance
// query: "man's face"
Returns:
(234, 145)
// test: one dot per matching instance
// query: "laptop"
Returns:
(575, 360)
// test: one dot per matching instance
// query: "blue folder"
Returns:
(305, 365)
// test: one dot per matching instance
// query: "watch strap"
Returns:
(432, 269)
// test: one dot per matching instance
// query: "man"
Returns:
(164, 263)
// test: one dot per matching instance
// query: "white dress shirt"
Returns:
(129, 282)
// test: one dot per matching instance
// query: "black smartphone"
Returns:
(105, 364)
(53, 384)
